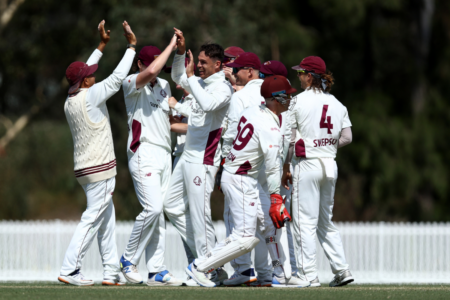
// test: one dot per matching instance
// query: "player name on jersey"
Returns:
(324, 142)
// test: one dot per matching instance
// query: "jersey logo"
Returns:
(163, 93)
(197, 181)
(148, 174)
(252, 203)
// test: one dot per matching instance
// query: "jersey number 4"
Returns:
(325, 122)
(244, 134)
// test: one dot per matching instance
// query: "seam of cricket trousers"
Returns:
(243, 208)
(145, 198)
(96, 217)
(204, 207)
(229, 229)
(299, 221)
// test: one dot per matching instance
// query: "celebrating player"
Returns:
(246, 72)
(256, 146)
(321, 126)
(94, 159)
(231, 53)
(187, 204)
(150, 164)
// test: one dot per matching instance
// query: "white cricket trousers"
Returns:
(312, 208)
(188, 205)
(247, 213)
(150, 168)
(288, 194)
(98, 219)
(263, 261)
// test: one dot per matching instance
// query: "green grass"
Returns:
(133, 292)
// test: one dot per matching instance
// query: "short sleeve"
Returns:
(346, 120)
(129, 86)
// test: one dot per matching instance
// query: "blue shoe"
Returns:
(130, 271)
(163, 278)
(198, 276)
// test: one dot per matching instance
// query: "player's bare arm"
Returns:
(104, 36)
(287, 177)
(150, 73)
(190, 66)
(181, 42)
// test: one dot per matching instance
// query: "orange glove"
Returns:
(278, 212)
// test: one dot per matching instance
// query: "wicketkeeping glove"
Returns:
(219, 174)
(278, 212)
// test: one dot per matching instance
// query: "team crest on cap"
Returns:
(267, 63)
(197, 181)
(163, 93)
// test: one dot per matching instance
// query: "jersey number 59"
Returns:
(244, 134)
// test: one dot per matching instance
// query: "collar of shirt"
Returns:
(258, 82)
(275, 117)
(215, 77)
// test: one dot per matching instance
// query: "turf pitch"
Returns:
(48, 290)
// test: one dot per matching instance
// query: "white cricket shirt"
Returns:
(184, 111)
(209, 107)
(257, 144)
(249, 95)
(148, 114)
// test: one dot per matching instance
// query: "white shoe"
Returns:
(163, 278)
(198, 276)
(294, 282)
(343, 278)
(246, 277)
(75, 278)
(114, 281)
(130, 271)
(315, 282)
(219, 276)
(264, 282)
(190, 282)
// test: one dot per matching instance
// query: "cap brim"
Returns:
(229, 54)
(297, 68)
(234, 65)
(291, 91)
(90, 70)
(73, 88)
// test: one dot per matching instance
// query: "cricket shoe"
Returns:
(294, 282)
(130, 271)
(114, 281)
(245, 277)
(343, 278)
(75, 278)
(198, 276)
(190, 282)
(315, 282)
(264, 282)
(218, 276)
(163, 278)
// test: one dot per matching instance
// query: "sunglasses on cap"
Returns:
(282, 94)
(262, 75)
(235, 70)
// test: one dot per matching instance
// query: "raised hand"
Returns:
(173, 42)
(181, 42)
(128, 33)
(190, 66)
(104, 35)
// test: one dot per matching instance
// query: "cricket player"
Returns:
(255, 149)
(231, 53)
(150, 163)
(94, 159)
(246, 72)
(187, 203)
(271, 68)
(321, 126)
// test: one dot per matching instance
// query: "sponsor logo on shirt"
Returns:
(148, 174)
(197, 181)
(231, 156)
(275, 129)
(158, 106)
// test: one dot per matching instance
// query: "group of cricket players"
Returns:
(240, 127)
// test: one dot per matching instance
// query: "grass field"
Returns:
(365, 292)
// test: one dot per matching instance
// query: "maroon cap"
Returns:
(186, 61)
(312, 64)
(233, 51)
(274, 67)
(148, 54)
(76, 72)
(276, 85)
(246, 59)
